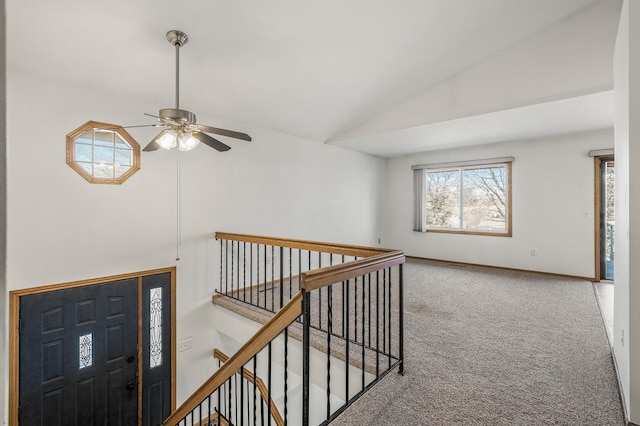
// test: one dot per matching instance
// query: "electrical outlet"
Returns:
(534, 252)
(185, 345)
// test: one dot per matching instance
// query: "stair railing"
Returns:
(202, 403)
(341, 313)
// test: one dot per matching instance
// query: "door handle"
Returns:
(131, 385)
(130, 359)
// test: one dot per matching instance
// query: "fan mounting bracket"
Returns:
(176, 37)
(179, 115)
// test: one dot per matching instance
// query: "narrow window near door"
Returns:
(155, 327)
(468, 197)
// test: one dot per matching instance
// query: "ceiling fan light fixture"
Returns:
(186, 142)
(182, 132)
(168, 140)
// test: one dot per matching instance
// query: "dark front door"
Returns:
(78, 356)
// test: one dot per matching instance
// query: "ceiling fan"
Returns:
(181, 130)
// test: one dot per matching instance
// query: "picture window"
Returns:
(465, 198)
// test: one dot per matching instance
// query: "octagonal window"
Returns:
(103, 153)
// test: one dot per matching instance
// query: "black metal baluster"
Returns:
(273, 279)
(265, 276)
(232, 263)
(255, 374)
(286, 371)
(343, 305)
(384, 311)
(226, 266)
(306, 321)
(221, 265)
(290, 270)
(401, 318)
(251, 273)
(238, 270)
(281, 276)
(209, 409)
(369, 308)
(230, 417)
(320, 295)
(200, 411)
(346, 351)
(219, 409)
(363, 329)
(261, 411)
(248, 399)
(244, 271)
(377, 324)
(235, 393)
(390, 315)
(269, 383)
(299, 267)
(241, 396)
(329, 331)
(355, 309)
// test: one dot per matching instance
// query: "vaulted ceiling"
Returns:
(340, 72)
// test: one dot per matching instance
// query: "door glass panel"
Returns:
(609, 248)
(86, 350)
(155, 327)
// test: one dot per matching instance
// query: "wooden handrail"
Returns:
(318, 278)
(264, 392)
(269, 331)
(347, 250)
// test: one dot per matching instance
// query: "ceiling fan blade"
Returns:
(153, 145)
(151, 115)
(140, 125)
(224, 132)
(213, 143)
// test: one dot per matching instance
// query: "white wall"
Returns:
(61, 228)
(3, 211)
(627, 149)
(553, 188)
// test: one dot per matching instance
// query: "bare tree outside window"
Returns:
(468, 199)
(443, 199)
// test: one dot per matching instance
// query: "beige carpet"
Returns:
(492, 347)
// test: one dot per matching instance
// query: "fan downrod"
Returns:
(177, 38)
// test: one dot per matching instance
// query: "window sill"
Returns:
(463, 232)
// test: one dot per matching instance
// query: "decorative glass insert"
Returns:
(102, 153)
(155, 327)
(85, 350)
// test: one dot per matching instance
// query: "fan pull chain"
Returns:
(178, 227)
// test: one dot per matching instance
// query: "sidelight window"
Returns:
(155, 327)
